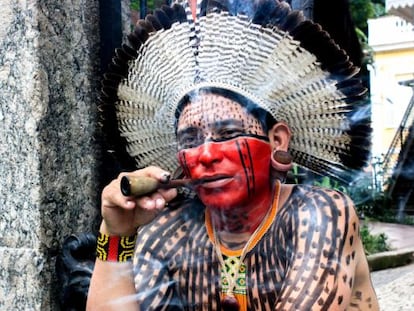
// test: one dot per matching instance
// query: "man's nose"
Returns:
(210, 153)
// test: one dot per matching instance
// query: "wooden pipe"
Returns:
(141, 185)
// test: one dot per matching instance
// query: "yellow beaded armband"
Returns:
(115, 248)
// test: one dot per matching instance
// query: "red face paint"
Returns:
(237, 170)
(218, 140)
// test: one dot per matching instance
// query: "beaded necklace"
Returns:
(233, 269)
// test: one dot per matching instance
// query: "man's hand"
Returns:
(122, 215)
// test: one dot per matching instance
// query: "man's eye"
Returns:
(188, 141)
(229, 133)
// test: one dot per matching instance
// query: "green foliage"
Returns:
(135, 4)
(327, 182)
(362, 10)
(373, 243)
(379, 8)
(368, 53)
(392, 216)
(368, 200)
(296, 176)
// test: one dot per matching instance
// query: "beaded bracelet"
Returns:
(115, 248)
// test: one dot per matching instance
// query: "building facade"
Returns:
(391, 39)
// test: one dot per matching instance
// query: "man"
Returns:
(221, 97)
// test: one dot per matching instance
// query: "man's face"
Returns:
(220, 142)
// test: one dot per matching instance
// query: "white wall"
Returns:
(392, 40)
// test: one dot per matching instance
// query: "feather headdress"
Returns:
(286, 65)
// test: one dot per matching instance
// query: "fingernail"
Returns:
(165, 177)
(148, 204)
(159, 203)
(130, 204)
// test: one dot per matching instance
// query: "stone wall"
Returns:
(49, 158)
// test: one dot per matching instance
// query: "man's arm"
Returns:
(112, 287)
(325, 252)
(112, 284)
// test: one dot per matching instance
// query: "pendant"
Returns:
(230, 303)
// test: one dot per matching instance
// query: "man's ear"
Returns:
(279, 136)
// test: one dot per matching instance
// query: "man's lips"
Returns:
(213, 181)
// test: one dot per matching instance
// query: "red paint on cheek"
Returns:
(245, 160)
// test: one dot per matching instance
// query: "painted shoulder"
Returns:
(319, 205)
(305, 194)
